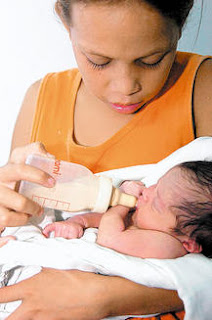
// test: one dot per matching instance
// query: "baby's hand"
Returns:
(134, 188)
(64, 229)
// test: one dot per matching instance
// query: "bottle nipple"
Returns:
(124, 199)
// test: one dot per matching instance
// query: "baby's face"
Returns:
(155, 206)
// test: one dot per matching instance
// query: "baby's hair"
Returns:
(196, 218)
(176, 10)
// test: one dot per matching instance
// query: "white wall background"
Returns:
(33, 42)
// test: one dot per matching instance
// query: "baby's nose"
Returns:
(145, 194)
(148, 193)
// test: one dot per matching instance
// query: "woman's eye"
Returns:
(97, 65)
(141, 63)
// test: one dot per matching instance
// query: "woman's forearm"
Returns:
(77, 295)
(128, 297)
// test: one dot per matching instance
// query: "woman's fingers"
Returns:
(15, 209)
(4, 240)
(7, 294)
(20, 154)
(11, 218)
(16, 172)
(15, 201)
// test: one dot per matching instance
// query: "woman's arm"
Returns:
(202, 100)
(23, 127)
(58, 294)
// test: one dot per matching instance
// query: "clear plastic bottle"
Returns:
(76, 188)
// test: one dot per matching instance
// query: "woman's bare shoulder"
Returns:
(202, 99)
(23, 126)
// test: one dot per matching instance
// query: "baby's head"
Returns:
(195, 213)
(181, 204)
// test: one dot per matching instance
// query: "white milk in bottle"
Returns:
(76, 188)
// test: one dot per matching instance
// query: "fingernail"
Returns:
(51, 182)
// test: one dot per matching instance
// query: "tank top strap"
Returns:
(53, 119)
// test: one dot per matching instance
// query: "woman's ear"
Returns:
(61, 16)
(192, 246)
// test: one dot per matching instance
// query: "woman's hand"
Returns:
(77, 295)
(15, 209)
(59, 295)
(4, 240)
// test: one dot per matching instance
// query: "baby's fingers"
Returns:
(134, 188)
(48, 229)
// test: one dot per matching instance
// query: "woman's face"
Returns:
(124, 52)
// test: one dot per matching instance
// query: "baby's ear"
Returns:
(192, 246)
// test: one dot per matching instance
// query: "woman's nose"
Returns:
(126, 83)
(128, 87)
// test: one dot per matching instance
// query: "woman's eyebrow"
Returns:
(163, 51)
(89, 51)
(97, 54)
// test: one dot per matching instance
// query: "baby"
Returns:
(171, 219)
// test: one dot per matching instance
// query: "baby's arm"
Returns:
(112, 225)
(114, 234)
(73, 227)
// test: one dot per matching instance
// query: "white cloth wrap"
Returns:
(190, 275)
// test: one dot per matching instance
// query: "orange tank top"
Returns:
(159, 128)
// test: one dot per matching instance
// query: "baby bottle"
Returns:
(76, 188)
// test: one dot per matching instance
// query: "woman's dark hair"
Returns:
(195, 219)
(176, 10)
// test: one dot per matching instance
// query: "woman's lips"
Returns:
(125, 108)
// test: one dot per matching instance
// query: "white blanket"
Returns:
(190, 275)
